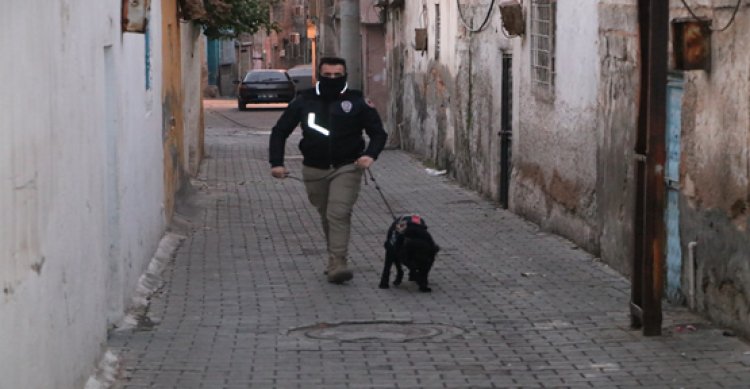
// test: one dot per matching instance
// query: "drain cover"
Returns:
(377, 331)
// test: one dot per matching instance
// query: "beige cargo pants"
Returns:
(333, 193)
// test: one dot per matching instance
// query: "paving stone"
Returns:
(531, 310)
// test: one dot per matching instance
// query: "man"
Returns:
(332, 118)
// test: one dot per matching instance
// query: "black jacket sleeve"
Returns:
(374, 129)
(281, 131)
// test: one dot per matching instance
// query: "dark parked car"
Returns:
(265, 86)
(302, 77)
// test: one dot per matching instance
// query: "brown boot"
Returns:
(330, 266)
(339, 273)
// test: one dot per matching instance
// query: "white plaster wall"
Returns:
(423, 15)
(557, 135)
(140, 167)
(68, 224)
(555, 139)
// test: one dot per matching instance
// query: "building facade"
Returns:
(359, 25)
(545, 120)
(92, 157)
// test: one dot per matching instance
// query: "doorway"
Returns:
(672, 181)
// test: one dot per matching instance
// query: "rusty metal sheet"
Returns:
(511, 13)
(691, 44)
(135, 15)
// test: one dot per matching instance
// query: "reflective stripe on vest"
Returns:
(312, 125)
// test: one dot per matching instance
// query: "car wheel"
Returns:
(241, 105)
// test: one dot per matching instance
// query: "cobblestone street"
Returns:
(245, 303)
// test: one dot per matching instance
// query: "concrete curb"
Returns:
(109, 367)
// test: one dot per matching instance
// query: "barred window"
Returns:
(543, 44)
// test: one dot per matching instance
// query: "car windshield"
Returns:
(265, 77)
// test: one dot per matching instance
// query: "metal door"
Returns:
(672, 178)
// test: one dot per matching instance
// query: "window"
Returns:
(543, 44)
(437, 31)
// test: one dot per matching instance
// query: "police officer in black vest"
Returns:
(332, 118)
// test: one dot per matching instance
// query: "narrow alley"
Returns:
(245, 303)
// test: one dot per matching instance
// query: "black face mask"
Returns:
(331, 87)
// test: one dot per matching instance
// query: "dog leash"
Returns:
(372, 178)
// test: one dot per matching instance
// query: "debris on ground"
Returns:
(433, 172)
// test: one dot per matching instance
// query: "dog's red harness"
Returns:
(402, 223)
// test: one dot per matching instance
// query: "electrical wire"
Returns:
(729, 23)
(484, 23)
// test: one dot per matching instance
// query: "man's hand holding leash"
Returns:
(364, 162)
(279, 172)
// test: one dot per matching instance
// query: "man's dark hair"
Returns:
(331, 61)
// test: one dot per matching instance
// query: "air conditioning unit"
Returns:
(294, 38)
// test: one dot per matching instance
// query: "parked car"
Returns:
(265, 86)
(302, 77)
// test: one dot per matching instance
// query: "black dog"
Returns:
(409, 244)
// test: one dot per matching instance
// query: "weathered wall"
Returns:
(82, 193)
(555, 153)
(715, 174)
(228, 70)
(616, 120)
(573, 148)
(374, 70)
(456, 100)
(327, 19)
(446, 107)
(173, 130)
(192, 110)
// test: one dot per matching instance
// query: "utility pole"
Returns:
(351, 41)
(650, 154)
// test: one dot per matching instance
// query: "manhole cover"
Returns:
(377, 331)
